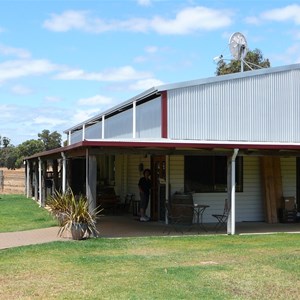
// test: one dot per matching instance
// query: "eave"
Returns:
(167, 146)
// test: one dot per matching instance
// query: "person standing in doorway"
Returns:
(144, 187)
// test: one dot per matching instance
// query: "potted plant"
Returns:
(59, 205)
(76, 215)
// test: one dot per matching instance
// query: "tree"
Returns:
(12, 157)
(5, 141)
(8, 157)
(26, 149)
(50, 140)
(253, 59)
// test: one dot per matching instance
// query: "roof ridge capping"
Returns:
(231, 76)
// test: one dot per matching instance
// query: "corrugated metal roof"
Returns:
(157, 90)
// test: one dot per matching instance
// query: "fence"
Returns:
(12, 181)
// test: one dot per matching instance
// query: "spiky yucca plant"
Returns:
(59, 202)
(76, 213)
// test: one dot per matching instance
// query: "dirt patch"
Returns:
(13, 181)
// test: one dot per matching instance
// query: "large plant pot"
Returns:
(78, 231)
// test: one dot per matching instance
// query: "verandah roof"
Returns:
(173, 146)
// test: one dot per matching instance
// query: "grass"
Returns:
(20, 213)
(187, 267)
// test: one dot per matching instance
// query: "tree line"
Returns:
(12, 157)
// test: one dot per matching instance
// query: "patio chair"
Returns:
(222, 218)
(124, 207)
(180, 216)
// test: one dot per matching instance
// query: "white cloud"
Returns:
(144, 2)
(95, 100)
(68, 20)
(290, 56)
(53, 99)
(288, 13)
(21, 90)
(21, 68)
(140, 59)
(186, 21)
(150, 52)
(253, 20)
(18, 52)
(146, 84)
(283, 14)
(7, 112)
(151, 49)
(192, 19)
(47, 121)
(82, 115)
(118, 74)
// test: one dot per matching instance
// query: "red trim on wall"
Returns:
(164, 115)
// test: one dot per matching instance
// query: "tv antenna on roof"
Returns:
(238, 47)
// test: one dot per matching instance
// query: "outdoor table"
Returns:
(198, 211)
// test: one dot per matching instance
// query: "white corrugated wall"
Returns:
(260, 108)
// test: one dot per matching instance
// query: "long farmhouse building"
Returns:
(235, 136)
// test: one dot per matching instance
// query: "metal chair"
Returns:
(124, 207)
(222, 218)
(179, 216)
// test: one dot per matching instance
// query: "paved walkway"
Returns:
(126, 226)
(29, 237)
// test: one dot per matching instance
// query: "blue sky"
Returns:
(62, 62)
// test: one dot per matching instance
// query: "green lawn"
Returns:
(186, 267)
(20, 213)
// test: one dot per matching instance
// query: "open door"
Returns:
(158, 177)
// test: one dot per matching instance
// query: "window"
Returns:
(106, 170)
(204, 174)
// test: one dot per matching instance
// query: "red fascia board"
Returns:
(199, 145)
(164, 145)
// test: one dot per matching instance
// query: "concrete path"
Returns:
(127, 226)
(29, 237)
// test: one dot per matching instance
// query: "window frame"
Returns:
(212, 176)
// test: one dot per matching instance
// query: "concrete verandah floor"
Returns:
(129, 226)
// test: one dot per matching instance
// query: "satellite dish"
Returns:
(238, 46)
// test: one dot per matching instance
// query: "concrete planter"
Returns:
(78, 231)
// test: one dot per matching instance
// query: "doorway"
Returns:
(158, 176)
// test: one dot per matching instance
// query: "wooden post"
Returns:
(272, 187)
(56, 186)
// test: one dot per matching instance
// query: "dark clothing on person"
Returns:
(145, 187)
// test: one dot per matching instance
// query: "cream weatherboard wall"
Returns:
(288, 174)
(133, 162)
(249, 206)
(249, 203)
